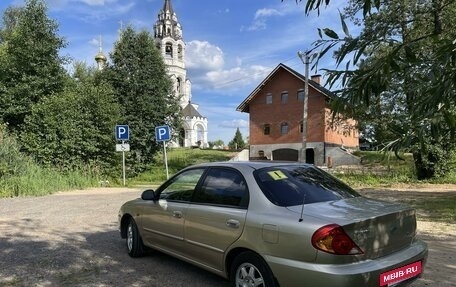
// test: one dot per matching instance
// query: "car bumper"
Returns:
(358, 274)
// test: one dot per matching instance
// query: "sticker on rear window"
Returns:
(277, 175)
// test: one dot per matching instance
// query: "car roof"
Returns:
(251, 164)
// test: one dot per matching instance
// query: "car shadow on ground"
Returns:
(89, 259)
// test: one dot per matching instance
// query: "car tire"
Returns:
(134, 242)
(249, 269)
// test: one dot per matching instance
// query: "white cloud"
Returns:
(206, 65)
(262, 15)
(94, 42)
(97, 2)
(201, 55)
(235, 123)
(265, 12)
(236, 77)
(88, 13)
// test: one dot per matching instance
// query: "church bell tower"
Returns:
(168, 38)
(169, 41)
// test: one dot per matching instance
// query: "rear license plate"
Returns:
(393, 277)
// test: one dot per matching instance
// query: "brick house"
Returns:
(276, 110)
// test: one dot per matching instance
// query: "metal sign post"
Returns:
(165, 159)
(122, 133)
(123, 164)
(163, 134)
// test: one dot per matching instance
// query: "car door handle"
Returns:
(233, 223)
(177, 214)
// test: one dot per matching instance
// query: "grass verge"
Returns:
(21, 176)
(178, 159)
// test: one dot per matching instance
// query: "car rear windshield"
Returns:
(295, 185)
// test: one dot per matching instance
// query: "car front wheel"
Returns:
(250, 270)
(135, 245)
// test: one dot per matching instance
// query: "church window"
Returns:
(169, 50)
(179, 85)
(179, 51)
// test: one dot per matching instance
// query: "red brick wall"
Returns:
(291, 112)
(341, 131)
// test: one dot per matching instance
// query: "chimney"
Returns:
(316, 79)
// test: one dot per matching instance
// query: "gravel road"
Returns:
(71, 239)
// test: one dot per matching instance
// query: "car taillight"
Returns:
(333, 239)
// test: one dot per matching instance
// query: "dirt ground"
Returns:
(440, 236)
(71, 239)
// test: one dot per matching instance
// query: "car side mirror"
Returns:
(149, 194)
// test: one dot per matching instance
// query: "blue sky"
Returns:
(231, 44)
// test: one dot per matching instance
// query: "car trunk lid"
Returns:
(377, 227)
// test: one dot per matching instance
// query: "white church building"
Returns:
(168, 38)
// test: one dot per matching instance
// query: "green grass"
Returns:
(178, 159)
(21, 176)
(36, 181)
(384, 169)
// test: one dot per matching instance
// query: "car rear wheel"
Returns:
(135, 244)
(250, 270)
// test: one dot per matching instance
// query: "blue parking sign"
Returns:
(122, 133)
(162, 133)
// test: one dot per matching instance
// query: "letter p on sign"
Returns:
(162, 133)
(122, 133)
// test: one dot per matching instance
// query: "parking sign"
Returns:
(122, 133)
(162, 133)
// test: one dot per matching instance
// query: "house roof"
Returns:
(190, 111)
(244, 106)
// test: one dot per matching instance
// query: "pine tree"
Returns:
(237, 142)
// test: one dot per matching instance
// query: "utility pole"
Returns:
(305, 59)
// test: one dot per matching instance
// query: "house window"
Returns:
(284, 128)
(301, 127)
(269, 99)
(267, 129)
(284, 97)
(300, 95)
(261, 153)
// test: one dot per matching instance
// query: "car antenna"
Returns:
(302, 208)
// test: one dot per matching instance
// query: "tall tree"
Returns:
(76, 127)
(144, 90)
(401, 69)
(237, 142)
(30, 65)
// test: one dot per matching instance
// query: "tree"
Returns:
(75, 127)
(237, 142)
(216, 144)
(30, 65)
(401, 69)
(144, 91)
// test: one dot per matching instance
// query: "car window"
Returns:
(293, 185)
(182, 186)
(223, 186)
